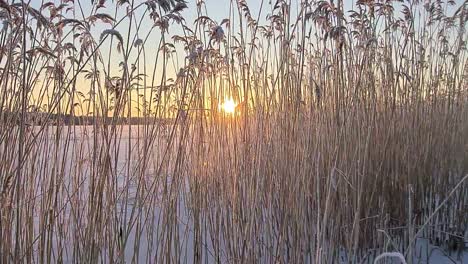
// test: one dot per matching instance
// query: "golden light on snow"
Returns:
(229, 106)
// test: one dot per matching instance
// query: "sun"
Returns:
(229, 106)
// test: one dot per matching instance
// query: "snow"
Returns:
(424, 252)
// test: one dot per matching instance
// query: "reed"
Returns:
(348, 139)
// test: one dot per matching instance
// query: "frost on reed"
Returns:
(349, 137)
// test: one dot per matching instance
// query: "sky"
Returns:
(217, 10)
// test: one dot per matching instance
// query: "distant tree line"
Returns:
(40, 118)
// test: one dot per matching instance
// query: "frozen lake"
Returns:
(129, 195)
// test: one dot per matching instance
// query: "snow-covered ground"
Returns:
(424, 252)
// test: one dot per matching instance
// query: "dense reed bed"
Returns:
(349, 137)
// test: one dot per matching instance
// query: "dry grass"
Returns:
(350, 137)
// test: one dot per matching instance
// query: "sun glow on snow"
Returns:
(229, 106)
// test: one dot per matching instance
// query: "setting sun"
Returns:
(229, 106)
